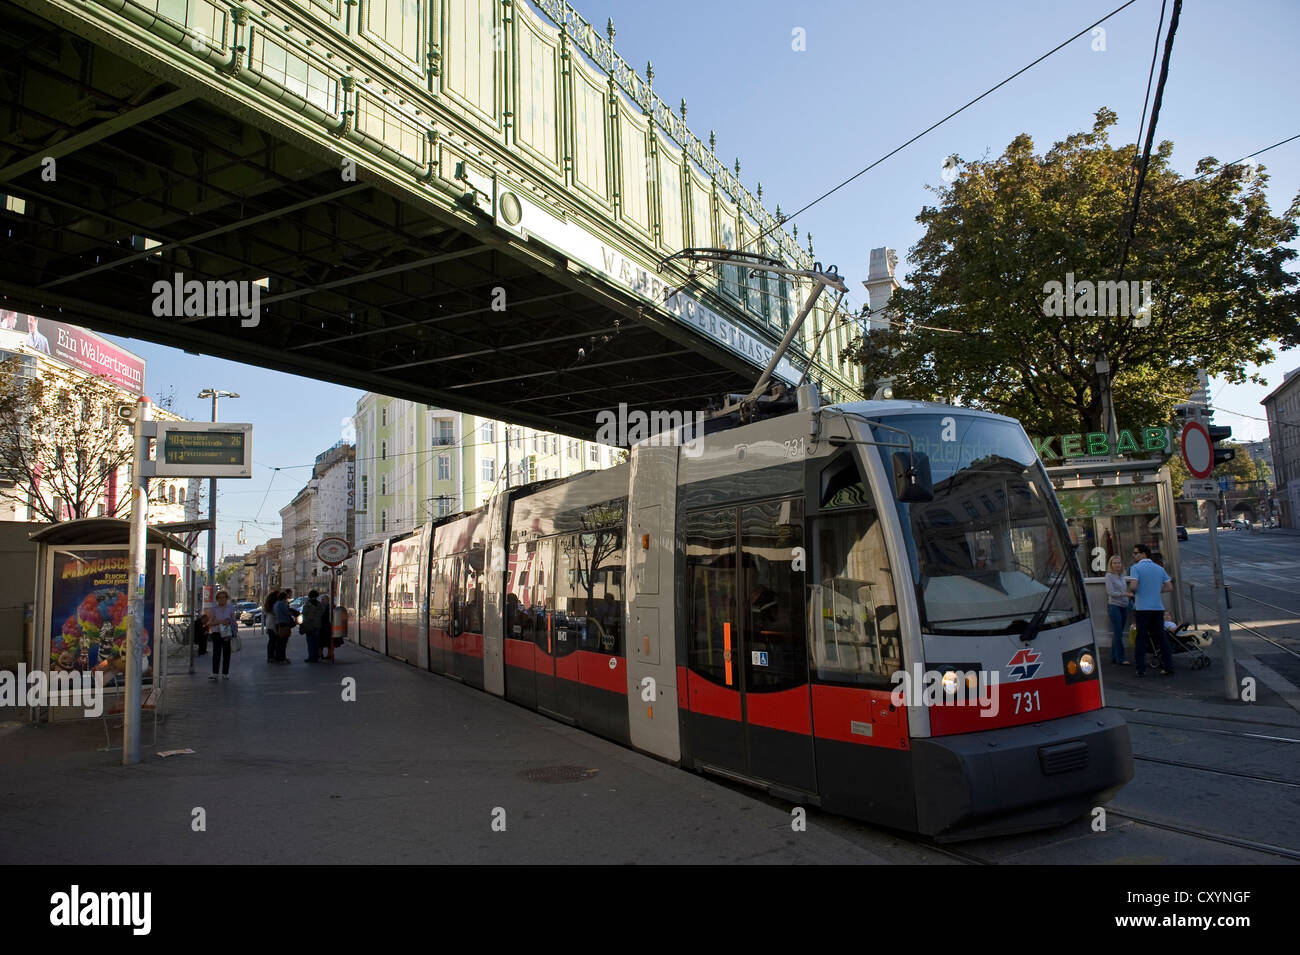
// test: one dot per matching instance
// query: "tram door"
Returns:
(747, 685)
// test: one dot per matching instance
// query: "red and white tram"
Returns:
(870, 607)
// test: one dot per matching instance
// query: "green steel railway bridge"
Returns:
(460, 202)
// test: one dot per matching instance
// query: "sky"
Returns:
(870, 76)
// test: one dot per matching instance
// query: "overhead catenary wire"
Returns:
(693, 277)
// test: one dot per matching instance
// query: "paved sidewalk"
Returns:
(411, 772)
(1201, 692)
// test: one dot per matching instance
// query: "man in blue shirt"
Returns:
(1147, 581)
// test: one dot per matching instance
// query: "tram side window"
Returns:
(440, 595)
(469, 596)
(711, 581)
(854, 612)
(774, 654)
(589, 589)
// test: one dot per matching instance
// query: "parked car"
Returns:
(1182, 532)
(1241, 524)
(251, 617)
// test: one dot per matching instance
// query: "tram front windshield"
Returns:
(986, 551)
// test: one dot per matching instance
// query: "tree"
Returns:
(60, 442)
(987, 318)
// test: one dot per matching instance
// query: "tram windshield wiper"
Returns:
(1035, 623)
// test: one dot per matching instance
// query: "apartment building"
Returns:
(416, 462)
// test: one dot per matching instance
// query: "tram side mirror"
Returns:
(912, 483)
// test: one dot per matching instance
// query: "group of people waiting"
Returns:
(1140, 591)
(278, 620)
(221, 626)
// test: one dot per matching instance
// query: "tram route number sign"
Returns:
(203, 449)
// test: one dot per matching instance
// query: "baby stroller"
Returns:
(1182, 639)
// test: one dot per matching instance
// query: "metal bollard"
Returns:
(1192, 588)
(1227, 593)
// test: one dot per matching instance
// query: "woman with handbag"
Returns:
(225, 631)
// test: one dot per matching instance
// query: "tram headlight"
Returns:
(950, 682)
(1080, 664)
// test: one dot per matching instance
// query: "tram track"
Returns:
(1245, 626)
(1218, 772)
(1212, 730)
(1217, 837)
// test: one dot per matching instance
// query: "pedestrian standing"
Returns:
(201, 633)
(1117, 603)
(311, 617)
(326, 627)
(283, 627)
(268, 625)
(1148, 580)
(224, 631)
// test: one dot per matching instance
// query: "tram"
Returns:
(871, 607)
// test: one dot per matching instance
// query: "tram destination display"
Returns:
(213, 447)
(203, 449)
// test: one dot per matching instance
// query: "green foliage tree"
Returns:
(972, 326)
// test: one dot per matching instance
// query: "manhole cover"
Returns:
(558, 774)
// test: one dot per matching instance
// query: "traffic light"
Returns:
(1220, 433)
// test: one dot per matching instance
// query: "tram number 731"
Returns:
(1029, 704)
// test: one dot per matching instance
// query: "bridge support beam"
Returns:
(147, 111)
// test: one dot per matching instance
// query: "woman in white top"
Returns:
(224, 630)
(1117, 602)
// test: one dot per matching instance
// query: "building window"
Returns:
(383, 450)
(365, 490)
(383, 484)
(489, 469)
(180, 496)
(383, 417)
(595, 454)
(446, 432)
(534, 444)
(489, 431)
(171, 495)
(383, 521)
(444, 467)
(444, 506)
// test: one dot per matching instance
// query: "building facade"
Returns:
(1282, 406)
(323, 508)
(416, 463)
(75, 355)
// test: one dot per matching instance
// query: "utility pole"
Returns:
(139, 553)
(210, 582)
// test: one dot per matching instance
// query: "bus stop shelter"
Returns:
(82, 587)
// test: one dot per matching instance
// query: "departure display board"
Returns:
(201, 449)
(204, 447)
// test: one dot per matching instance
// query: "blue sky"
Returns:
(872, 76)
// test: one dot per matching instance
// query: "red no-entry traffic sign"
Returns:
(1198, 450)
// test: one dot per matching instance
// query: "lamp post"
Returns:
(211, 577)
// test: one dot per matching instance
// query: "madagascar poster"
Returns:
(88, 604)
